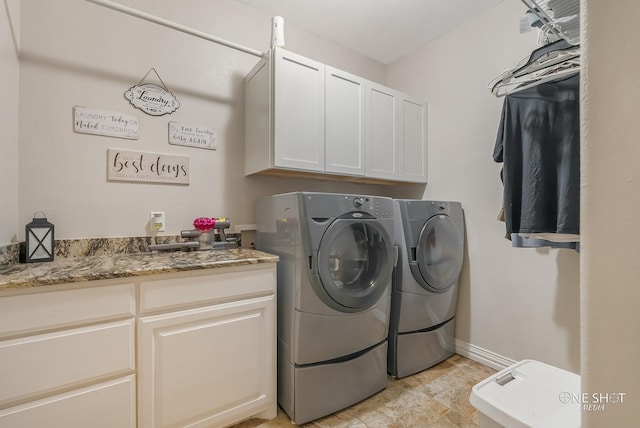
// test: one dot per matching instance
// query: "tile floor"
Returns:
(435, 398)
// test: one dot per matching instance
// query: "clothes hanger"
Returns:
(557, 46)
(549, 60)
(568, 69)
(555, 60)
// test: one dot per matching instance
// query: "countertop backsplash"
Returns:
(70, 248)
(105, 246)
(9, 255)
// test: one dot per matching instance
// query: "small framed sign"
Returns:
(183, 134)
(152, 99)
(88, 120)
(125, 165)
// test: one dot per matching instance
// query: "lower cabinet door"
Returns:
(207, 367)
(105, 405)
(44, 364)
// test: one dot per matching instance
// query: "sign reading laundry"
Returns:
(125, 165)
(104, 122)
(183, 134)
(152, 99)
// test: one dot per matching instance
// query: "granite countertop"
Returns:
(107, 266)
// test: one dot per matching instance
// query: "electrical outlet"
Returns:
(157, 221)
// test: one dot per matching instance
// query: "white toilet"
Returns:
(528, 394)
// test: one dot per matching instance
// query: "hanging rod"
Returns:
(560, 17)
(169, 24)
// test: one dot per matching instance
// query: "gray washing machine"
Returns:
(430, 239)
(334, 294)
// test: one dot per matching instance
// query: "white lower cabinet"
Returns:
(64, 364)
(209, 366)
(104, 405)
(206, 348)
(205, 343)
(34, 365)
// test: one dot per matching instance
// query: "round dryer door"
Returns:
(440, 252)
(355, 262)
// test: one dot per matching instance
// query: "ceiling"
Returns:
(384, 30)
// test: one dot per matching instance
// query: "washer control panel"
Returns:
(377, 207)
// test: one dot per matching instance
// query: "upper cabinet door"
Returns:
(344, 122)
(382, 132)
(413, 139)
(298, 112)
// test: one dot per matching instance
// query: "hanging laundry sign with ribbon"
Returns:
(152, 99)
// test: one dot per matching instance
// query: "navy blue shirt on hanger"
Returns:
(539, 143)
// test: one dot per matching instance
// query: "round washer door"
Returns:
(440, 252)
(355, 262)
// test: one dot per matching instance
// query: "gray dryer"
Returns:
(430, 239)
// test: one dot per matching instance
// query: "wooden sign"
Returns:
(104, 122)
(152, 99)
(183, 134)
(125, 165)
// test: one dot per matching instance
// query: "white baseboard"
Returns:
(483, 356)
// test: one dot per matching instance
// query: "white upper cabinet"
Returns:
(306, 117)
(284, 114)
(344, 122)
(258, 143)
(298, 112)
(396, 135)
(382, 132)
(413, 139)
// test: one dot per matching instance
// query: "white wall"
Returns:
(516, 302)
(9, 18)
(78, 53)
(609, 210)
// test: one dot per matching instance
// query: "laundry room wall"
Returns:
(609, 214)
(9, 121)
(514, 302)
(75, 53)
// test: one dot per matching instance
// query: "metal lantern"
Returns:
(39, 240)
